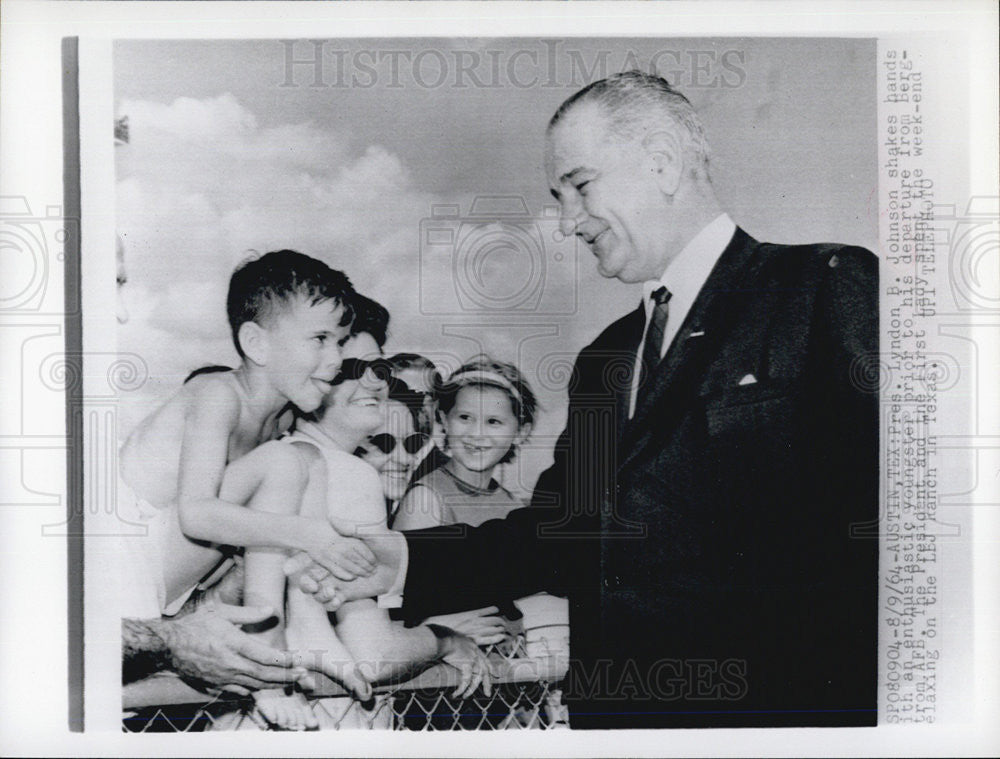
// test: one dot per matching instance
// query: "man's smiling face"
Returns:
(608, 195)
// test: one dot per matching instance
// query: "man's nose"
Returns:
(569, 217)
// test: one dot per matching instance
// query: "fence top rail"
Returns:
(169, 689)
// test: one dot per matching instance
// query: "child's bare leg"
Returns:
(183, 561)
(264, 585)
(284, 711)
(310, 633)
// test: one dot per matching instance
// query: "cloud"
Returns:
(203, 183)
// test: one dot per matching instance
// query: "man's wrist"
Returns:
(145, 650)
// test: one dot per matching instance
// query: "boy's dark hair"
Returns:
(370, 316)
(260, 286)
(483, 371)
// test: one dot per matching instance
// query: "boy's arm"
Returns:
(210, 418)
(274, 476)
(205, 514)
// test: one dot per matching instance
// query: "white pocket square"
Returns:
(748, 380)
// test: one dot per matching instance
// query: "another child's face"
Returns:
(481, 427)
(395, 467)
(303, 343)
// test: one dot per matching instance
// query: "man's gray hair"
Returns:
(635, 102)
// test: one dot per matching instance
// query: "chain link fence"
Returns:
(526, 695)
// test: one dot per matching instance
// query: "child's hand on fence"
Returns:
(484, 626)
(462, 653)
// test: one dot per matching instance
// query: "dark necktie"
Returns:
(654, 339)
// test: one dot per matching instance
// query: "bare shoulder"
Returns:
(279, 457)
(212, 393)
(275, 451)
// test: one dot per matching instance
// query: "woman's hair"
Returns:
(403, 361)
(414, 402)
(484, 371)
(369, 316)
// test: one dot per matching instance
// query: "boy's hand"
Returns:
(344, 558)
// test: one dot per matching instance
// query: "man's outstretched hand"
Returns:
(389, 549)
(208, 647)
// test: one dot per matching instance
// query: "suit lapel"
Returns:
(702, 332)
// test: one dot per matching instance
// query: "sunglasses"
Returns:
(355, 368)
(387, 443)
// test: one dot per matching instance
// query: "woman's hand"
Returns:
(484, 626)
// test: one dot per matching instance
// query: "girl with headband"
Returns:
(487, 410)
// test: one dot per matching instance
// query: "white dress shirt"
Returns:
(684, 277)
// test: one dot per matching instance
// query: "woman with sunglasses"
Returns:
(394, 448)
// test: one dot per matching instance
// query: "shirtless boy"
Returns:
(289, 314)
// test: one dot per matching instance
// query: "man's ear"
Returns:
(253, 342)
(666, 159)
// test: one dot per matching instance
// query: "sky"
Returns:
(415, 165)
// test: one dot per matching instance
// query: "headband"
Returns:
(486, 377)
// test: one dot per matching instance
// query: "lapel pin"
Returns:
(748, 380)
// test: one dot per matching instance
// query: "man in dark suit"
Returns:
(709, 508)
